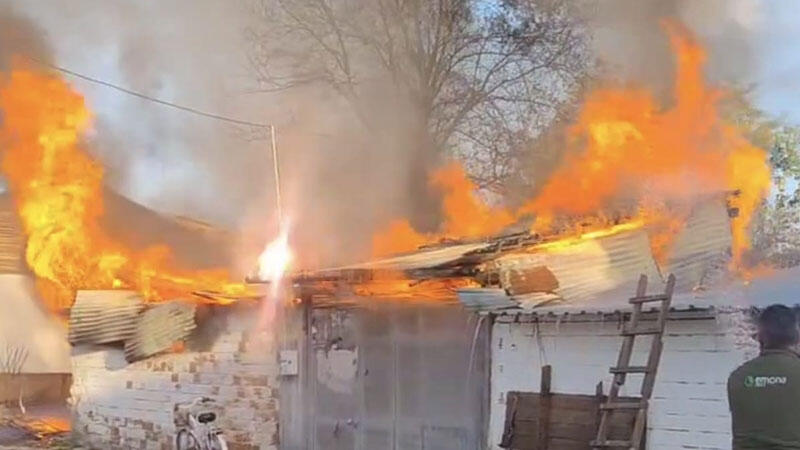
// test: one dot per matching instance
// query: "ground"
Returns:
(40, 426)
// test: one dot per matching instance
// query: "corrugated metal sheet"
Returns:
(12, 240)
(583, 270)
(102, 317)
(600, 275)
(423, 259)
(159, 328)
(701, 250)
(485, 299)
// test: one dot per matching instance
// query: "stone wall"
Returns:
(122, 406)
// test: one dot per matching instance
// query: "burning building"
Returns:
(443, 347)
(423, 345)
(644, 189)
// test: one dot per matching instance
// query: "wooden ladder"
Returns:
(629, 332)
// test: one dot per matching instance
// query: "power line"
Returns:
(149, 98)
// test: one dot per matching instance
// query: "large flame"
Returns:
(465, 215)
(626, 147)
(58, 191)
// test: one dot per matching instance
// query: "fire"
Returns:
(394, 284)
(625, 148)
(465, 216)
(58, 191)
(625, 144)
(590, 235)
(276, 257)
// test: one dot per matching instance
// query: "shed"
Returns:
(525, 302)
(707, 336)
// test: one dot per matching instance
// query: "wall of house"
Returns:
(689, 407)
(25, 324)
(120, 406)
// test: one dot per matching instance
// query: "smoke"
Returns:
(187, 52)
(338, 181)
(632, 46)
(18, 34)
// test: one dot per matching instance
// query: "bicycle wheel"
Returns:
(186, 440)
(218, 442)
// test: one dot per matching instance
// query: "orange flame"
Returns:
(58, 191)
(626, 147)
(633, 147)
(465, 216)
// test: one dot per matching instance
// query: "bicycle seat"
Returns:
(206, 417)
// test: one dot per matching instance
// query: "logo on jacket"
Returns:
(759, 382)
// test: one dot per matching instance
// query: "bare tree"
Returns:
(470, 73)
(12, 360)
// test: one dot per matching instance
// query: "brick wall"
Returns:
(122, 406)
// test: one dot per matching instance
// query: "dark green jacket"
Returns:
(764, 397)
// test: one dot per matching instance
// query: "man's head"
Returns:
(777, 328)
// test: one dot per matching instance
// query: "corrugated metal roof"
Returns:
(159, 328)
(12, 241)
(702, 249)
(781, 287)
(101, 317)
(423, 259)
(600, 275)
(584, 270)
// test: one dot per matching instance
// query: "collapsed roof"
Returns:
(522, 272)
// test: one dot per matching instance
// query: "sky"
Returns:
(778, 78)
(194, 53)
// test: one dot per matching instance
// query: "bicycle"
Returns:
(195, 426)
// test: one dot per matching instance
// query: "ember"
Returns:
(58, 191)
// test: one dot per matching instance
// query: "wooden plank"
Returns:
(623, 360)
(545, 399)
(572, 422)
(599, 398)
(648, 299)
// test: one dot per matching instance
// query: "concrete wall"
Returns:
(121, 406)
(689, 408)
(35, 388)
(25, 323)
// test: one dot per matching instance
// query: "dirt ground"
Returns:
(39, 426)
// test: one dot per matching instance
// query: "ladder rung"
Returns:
(629, 369)
(609, 443)
(622, 405)
(628, 331)
(649, 298)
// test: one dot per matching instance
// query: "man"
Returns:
(764, 393)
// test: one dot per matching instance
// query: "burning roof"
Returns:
(64, 208)
(123, 317)
(625, 155)
(525, 271)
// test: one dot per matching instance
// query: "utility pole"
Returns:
(277, 176)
